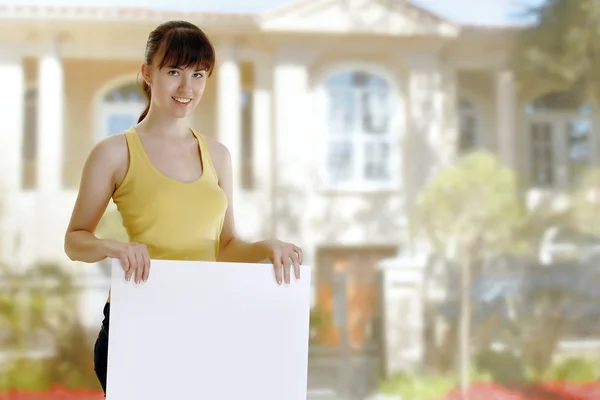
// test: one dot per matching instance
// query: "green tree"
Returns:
(39, 307)
(470, 212)
(584, 206)
(561, 49)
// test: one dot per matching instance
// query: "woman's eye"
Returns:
(173, 72)
(199, 75)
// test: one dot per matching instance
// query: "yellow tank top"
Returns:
(175, 220)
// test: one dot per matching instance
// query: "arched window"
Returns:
(360, 132)
(470, 135)
(120, 108)
(561, 133)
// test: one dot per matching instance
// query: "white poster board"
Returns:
(205, 330)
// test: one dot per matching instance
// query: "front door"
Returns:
(348, 297)
(346, 345)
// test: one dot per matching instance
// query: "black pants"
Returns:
(101, 349)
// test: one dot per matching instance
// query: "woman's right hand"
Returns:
(134, 259)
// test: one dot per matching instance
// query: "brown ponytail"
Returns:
(148, 94)
(183, 45)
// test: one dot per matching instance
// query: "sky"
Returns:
(486, 12)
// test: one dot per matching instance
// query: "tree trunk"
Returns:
(465, 327)
(446, 355)
(539, 350)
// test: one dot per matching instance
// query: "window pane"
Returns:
(340, 161)
(570, 100)
(542, 154)
(375, 110)
(465, 105)
(343, 80)
(467, 135)
(356, 79)
(579, 148)
(342, 111)
(119, 122)
(377, 161)
(129, 93)
(359, 108)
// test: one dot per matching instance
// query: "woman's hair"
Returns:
(182, 45)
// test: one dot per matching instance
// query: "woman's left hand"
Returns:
(283, 255)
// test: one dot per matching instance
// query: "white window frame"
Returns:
(558, 121)
(393, 137)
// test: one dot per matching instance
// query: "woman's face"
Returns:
(176, 90)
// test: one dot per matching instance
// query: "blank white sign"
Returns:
(208, 331)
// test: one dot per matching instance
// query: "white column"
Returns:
(293, 124)
(50, 121)
(402, 319)
(505, 103)
(50, 139)
(261, 119)
(263, 154)
(11, 142)
(229, 107)
(296, 155)
(430, 147)
(451, 126)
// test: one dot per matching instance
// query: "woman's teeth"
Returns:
(182, 100)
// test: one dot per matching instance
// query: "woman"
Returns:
(171, 185)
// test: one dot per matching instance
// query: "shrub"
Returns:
(577, 370)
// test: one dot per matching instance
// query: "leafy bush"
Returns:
(502, 366)
(418, 387)
(426, 386)
(577, 370)
(26, 374)
(39, 313)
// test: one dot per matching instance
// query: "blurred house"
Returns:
(336, 114)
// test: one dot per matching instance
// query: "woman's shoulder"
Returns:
(219, 155)
(112, 149)
(217, 151)
(110, 154)
(216, 148)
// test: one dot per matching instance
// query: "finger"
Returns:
(124, 263)
(277, 268)
(132, 266)
(139, 271)
(298, 251)
(286, 265)
(296, 261)
(146, 265)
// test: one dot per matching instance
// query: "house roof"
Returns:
(84, 13)
(294, 5)
(112, 13)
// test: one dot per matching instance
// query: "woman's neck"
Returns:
(163, 126)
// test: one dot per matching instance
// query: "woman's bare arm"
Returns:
(106, 163)
(233, 249)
